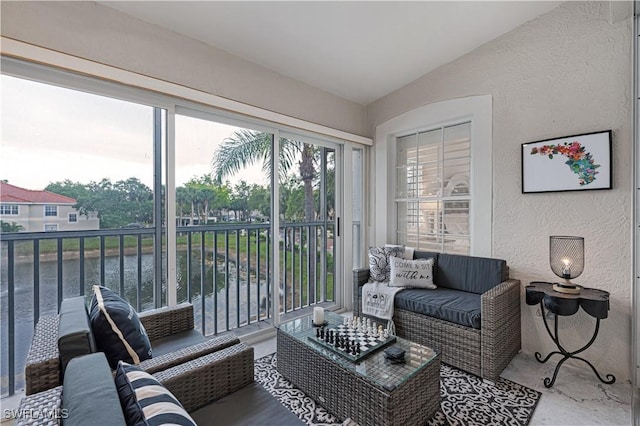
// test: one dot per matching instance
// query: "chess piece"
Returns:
(357, 347)
(380, 331)
(317, 332)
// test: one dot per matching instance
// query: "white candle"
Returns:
(318, 316)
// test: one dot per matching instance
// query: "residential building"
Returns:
(39, 210)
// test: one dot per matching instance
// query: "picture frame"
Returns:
(569, 163)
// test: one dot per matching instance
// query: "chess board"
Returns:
(368, 344)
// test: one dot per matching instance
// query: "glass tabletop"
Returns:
(374, 367)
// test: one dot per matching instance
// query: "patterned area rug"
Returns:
(466, 399)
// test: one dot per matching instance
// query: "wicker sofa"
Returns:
(170, 330)
(472, 319)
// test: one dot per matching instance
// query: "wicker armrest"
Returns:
(360, 278)
(164, 322)
(203, 380)
(189, 353)
(42, 409)
(500, 327)
(42, 367)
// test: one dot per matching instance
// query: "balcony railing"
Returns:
(223, 269)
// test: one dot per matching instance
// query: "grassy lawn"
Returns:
(246, 244)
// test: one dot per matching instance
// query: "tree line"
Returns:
(200, 200)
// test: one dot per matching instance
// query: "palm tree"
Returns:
(246, 147)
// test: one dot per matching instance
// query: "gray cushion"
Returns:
(449, 305)
(429, 255)
(469, 273)
(89, 394)
(176, 341)
(249, 406)
(75, 337)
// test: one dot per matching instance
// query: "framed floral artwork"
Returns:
(569, 163)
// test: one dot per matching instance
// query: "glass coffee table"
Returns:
(369, 392)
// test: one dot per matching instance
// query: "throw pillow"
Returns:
(379, 268)
(117, 328)
(408, 251)
(411, 273)
(145, 401)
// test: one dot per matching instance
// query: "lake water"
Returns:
(246, 306)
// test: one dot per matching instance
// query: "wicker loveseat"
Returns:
(90, 396)
(170, 330)
(472, 319)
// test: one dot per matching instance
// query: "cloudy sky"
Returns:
(50, 134)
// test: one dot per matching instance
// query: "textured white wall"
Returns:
(567, 72)
(96, 32)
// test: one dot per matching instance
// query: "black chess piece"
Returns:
(358, 347)
(317, 332)
(347, 345)
(322, 333)
(354, 352)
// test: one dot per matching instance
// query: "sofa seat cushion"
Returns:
(176, 341)
(249, 406)
(469, 273)
(89, 394)
(455, 306)
(75, 337)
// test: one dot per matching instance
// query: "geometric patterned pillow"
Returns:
(379, 266)
(145, 401)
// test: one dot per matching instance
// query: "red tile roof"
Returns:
(14, 194)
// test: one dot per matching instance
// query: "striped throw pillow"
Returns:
(145, 401)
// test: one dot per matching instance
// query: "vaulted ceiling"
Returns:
(358, 50)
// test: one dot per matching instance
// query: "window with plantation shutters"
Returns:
(433, 189)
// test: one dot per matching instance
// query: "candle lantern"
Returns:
(566, 257)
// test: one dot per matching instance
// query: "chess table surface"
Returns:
(349, 342)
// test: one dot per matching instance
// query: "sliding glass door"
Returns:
(236, 249)
(309, 216)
